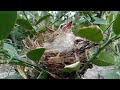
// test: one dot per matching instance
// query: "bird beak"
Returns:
(68, 27)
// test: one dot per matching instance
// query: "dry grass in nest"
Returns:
(54, 62)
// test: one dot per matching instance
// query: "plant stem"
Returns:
(109, 26)
(25, 15)
(114, 51)
(29, 64)
(100, 49)
(1, 44)
(28, 21)
(86, 18)
(58, 19)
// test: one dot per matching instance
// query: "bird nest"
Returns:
(54, 62)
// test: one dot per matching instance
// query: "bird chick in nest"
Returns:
(62, 40)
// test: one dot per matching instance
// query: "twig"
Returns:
(58, 19)
(114, 51)
(86, 18)
(1, 44)
(109, 26)
(25, 15)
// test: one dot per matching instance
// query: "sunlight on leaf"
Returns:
(72, 67)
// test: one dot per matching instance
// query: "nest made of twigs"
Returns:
(54, 62)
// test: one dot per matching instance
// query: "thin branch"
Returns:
(58, 19)
(1, 44)
(114, 51)
(25, 15)
(86, 18)
(109, 26)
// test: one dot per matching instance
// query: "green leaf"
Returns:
(36, 54)
(7, 22)
(115, 12)
(24, 23)
(99, 21)
(11, 50)
(104, 59)
(43, 18)
(92, 33)
(72, 67)
(18, 62)
(43, 75)
(14, 77)
(103, 27)
(110, 17)
(111, 75)
(15, 62)
(116, 25)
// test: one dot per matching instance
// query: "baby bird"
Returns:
(62, 39)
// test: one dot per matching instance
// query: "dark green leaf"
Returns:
(92, 33)
(14, 77)
(43, 75)
(116, 25)
(72, 67)
(36, 54)
(104, 59)
(43, 18)
(24, 23)
(7, 22)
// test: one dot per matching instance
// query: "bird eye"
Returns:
(61, 26)
(79, 40)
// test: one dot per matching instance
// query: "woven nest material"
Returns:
(54, 62)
